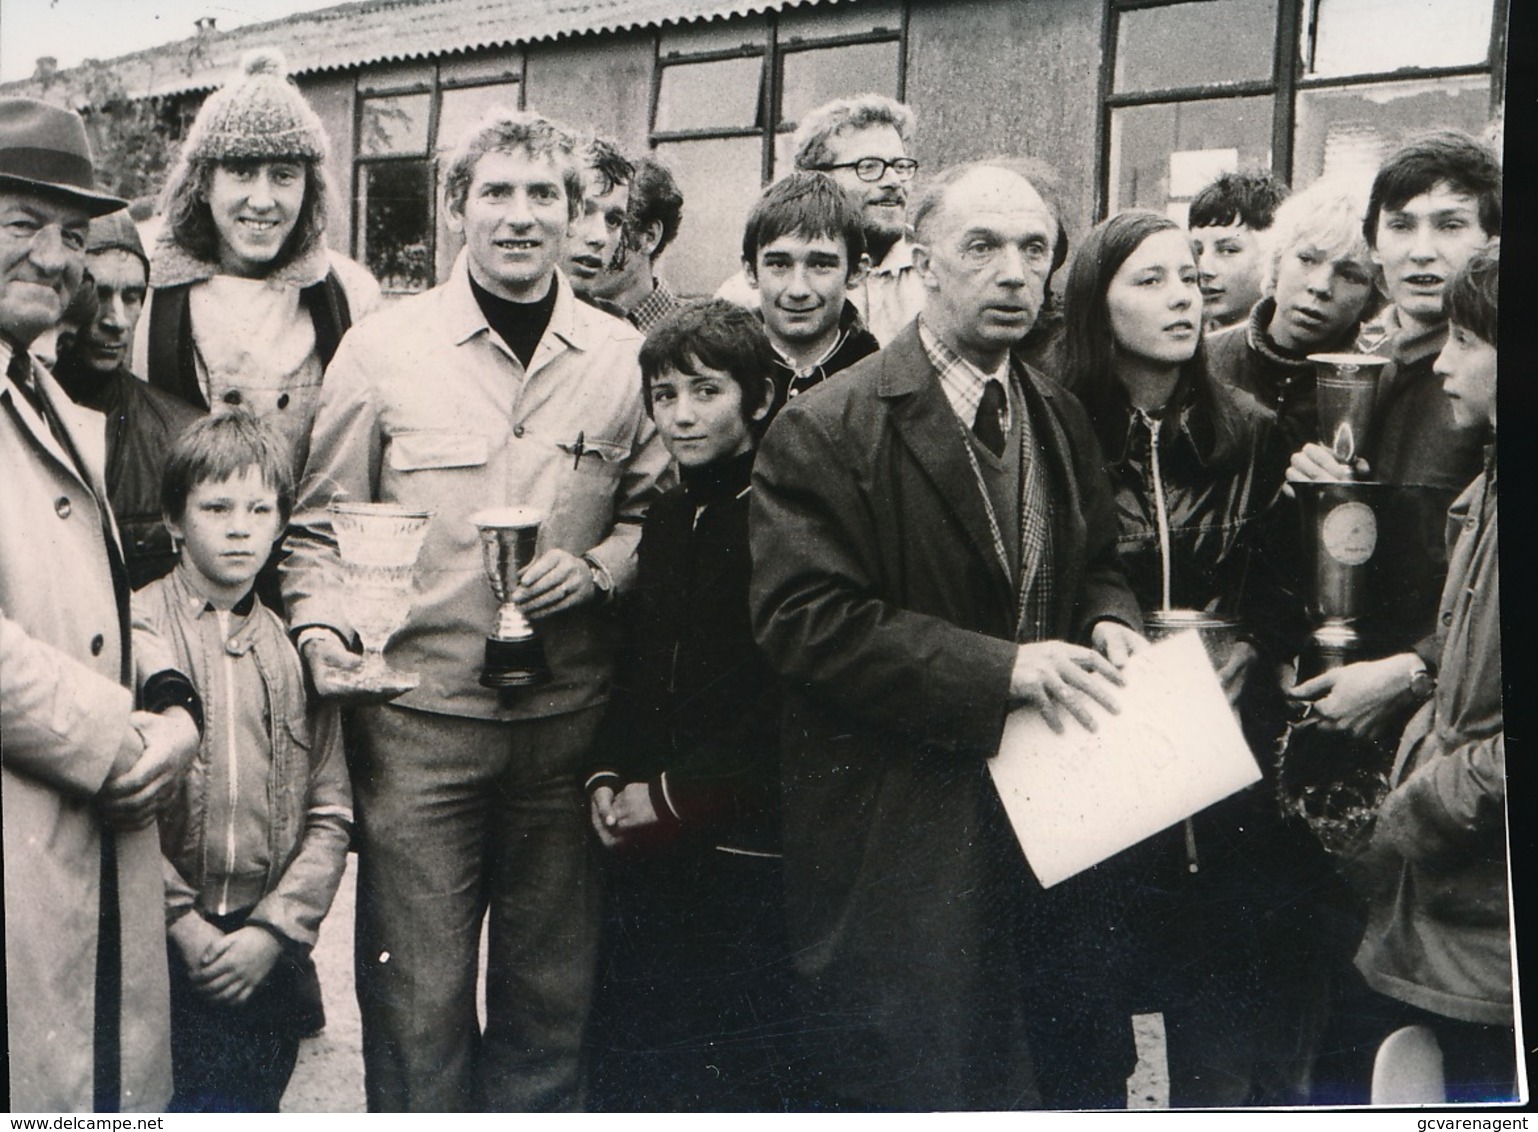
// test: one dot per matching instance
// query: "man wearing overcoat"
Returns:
(929, 535)
(88, 1015)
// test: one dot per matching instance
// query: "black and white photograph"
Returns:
(761, 556)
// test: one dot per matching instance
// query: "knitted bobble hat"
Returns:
(257, 116)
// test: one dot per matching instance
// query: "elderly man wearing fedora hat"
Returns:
(83, 773)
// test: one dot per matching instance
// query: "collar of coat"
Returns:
(932, 432)
(1186, 422)
(573, 323)
(173, 265)
(1264, 345)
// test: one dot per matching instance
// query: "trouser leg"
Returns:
(420, 790)
(545, 890)
(236, 1058)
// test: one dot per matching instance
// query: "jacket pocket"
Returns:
(594, 457)
(291, 772)
(422, 451)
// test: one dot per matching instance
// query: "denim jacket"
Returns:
(310, 796)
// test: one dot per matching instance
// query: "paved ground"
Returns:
(329, 1076)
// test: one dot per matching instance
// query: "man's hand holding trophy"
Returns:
(377, 547)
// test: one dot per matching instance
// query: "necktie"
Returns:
(988, 427)
(19, 370)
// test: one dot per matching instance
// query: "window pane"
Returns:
(815, 77)
(396, 211)
(719, 178)
(1162, 155)
(722, 95)
(1185, 45)
(1349, 131)
(784, 155)
(396, 76)
(394, 126)
(462, 109)
(1364, 37)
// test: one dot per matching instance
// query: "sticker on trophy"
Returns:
(1350, 533)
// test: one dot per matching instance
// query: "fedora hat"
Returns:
(44, 148)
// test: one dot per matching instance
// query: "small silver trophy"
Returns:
(378, 544)
(1218, 634)
(515, 657)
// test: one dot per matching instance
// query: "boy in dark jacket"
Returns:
(683, 789)
(803, 248)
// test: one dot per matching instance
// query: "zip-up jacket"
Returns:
(308, 798)
(695, 707)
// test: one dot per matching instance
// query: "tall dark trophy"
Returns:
(1340, 520)
(515, 657)
(1331, 780)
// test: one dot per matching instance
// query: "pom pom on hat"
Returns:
(259, 115)
(264, 61)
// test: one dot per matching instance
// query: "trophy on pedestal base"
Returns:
(378, 544)
(515, 656)
(1331, 780)
(1340, 520)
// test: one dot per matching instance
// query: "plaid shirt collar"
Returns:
(649, 311)
(960, 380)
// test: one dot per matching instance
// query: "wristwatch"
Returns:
(1422, 682)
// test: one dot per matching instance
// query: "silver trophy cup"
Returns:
(1340, 520)
(515, 656)
(378, 544)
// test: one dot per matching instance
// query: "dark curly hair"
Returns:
(1445, 156)
(713, 334)
(1249, 198)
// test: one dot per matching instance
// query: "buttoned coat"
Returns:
(878, 596)
(63, 713)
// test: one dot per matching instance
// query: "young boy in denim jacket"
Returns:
(691, 1012)
(255, 839)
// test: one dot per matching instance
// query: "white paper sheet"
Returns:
(1175, 748)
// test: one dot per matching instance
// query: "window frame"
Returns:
(771, 89)
(433, 86)
(1286, 81)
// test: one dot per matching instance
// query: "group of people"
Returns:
(803, 547)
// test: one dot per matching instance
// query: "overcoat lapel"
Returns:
(927, 426)
(85, 428)
(34, 426)
(1068, 528)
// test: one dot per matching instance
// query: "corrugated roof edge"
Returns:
(230, 45)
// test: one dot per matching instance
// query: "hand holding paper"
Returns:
(1053, 675)
(1174, 747)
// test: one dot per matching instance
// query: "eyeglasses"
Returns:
(874, 168)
